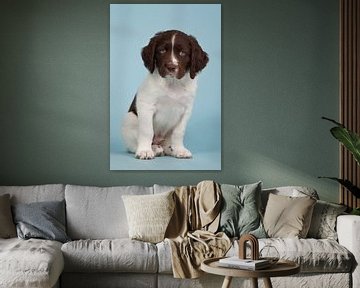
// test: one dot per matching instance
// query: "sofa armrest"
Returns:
(348, 230)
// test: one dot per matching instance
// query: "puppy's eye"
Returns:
(162, 51)
(182, 53)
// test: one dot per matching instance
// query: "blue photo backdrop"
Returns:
(131, 27)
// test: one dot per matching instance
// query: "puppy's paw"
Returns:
(158, 150)
(178, 152)
(145, 154)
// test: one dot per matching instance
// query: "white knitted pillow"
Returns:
(149, 215)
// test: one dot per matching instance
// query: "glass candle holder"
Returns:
(270, 253)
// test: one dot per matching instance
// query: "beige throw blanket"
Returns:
(191, 231)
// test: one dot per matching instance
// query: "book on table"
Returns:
(249, 264)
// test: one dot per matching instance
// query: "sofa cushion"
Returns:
(149, 215)
(291, 191)
(313, 255)
(240, 210)
(323, 222)
(117, 255)
(164, 257)
(98, 213)
(43, 220)
(7, 227)
(30, 263)
(36, 193)
(287, 216)
(163, 188)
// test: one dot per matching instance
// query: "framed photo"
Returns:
(165, 127)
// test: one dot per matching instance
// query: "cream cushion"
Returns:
(110, 255)
(149, 215)
(313, 255)
(30, 263)
(288, 216)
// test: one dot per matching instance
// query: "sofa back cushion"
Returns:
(291, 191)
(98, 212)
(36, 193)
(163, 188)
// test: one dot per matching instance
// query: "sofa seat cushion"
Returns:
(115, 255)
(313, 255)
(30, 263)
(164, 257)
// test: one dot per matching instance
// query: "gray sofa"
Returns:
(101, 254)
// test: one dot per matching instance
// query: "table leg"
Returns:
(254, 282)
(267, 283)
(227, 282)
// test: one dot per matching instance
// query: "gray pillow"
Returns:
(7, 227)
(240, 213)
(44, 220)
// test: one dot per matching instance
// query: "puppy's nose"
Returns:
(171, 67)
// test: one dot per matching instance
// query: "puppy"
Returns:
(156, 121)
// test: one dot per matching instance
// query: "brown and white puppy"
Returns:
(156, 122)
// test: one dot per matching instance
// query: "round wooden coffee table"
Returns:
(281, 268)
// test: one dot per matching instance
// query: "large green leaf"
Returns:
(349, 139)
(347, 184)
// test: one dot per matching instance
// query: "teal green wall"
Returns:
(279, 75)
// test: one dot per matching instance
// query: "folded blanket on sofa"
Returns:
(191, 231)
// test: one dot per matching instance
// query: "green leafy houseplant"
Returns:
(351, 142)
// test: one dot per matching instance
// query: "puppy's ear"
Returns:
(199, 58)
(148, 54)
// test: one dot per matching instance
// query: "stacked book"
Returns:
(248, 264)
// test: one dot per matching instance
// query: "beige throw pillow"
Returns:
(7, 226)
(288, 217)
(148, 215)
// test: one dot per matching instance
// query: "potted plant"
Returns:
(351, 141)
